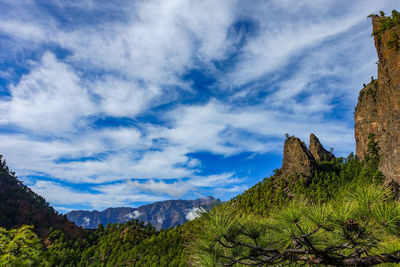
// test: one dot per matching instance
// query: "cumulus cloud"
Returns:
(49, 99)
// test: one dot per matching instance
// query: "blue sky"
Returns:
(121, 103)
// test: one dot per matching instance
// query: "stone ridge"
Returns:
(378, 108)
(318, 151)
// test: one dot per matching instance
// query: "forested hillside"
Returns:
(19, 205)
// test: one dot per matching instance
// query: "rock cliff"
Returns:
(378, 108)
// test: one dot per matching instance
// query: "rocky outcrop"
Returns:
(378, 107)
(318, 151)
(297, 159)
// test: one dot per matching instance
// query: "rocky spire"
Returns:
(318, 151)
(297, 159)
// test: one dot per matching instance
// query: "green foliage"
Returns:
(129, 244)
(371, 90)
(13, 194)
(387, 23)
(264, 215)
(354, 229)
(340, 217)
(62, 251)
(393, 42)
(20, 247)
(272, 193)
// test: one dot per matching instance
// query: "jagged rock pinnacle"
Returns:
(297, 159)
(318, 151)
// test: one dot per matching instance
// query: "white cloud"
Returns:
(49, 99)
(174, 189)
(22, 30)
(62, 195)
(86, 222)
(133, 215)
(161, 219)
(222, 129)
(121, 98)
(194, 213)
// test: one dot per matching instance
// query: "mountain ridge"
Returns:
(160, 214)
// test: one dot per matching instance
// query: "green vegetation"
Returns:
(344, 217)
(343, 173)
(359, 228)
(133, 244)
(129, 244)
(12, 188)
(387, 23)
(19, 205)
(393, 42)
(256, 217)
(136, 244)
(371, 89)
(20, 247)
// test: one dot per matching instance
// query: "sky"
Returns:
(126, 102)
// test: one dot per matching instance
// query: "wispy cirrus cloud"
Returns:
(126, 98)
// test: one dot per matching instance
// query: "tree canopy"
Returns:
(359, 228)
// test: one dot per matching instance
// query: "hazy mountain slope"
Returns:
(161, 215)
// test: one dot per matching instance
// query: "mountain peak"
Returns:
(318, 151)
(207, 198)
(297, 159)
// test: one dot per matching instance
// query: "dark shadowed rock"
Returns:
(378, 107)
(297, 159)
(318, 151)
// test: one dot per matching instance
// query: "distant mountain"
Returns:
(161, 215)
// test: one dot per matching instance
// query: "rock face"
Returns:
(297, 159)
(378, 107)
(161, 215)
(318, 151)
